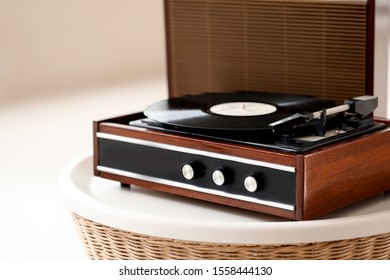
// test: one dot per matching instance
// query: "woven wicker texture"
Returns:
(106, 243)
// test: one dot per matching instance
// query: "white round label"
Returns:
(243, 109)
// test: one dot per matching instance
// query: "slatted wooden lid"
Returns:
(316, 47)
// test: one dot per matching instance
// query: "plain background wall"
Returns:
(63, 64)
(50, 45)
(382, 57)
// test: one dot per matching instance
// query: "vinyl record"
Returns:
(242, 111)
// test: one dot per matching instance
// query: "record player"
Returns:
(270, 109)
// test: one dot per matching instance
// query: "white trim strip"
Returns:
(195, 152)
(194, 188)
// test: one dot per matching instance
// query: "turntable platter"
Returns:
(231, 111)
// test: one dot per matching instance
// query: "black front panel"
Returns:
(150, 162)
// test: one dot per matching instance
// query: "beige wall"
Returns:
(48, 45)
(382, 58)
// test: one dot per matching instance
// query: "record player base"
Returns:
(102, 242)
(326, 179)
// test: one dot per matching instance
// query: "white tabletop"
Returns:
(159, 214)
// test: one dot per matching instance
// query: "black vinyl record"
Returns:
(241, 111)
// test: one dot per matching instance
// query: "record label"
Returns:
(243, 109)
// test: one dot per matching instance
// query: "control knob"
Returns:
(219, 177)
(253, 183)
(192, 170)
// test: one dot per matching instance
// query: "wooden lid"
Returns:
(315, 47)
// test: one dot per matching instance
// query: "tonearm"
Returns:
(358, 108)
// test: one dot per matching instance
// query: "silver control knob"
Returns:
(188, 172)
(218, 177)
(251, 183)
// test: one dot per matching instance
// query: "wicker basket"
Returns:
(106, 243)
